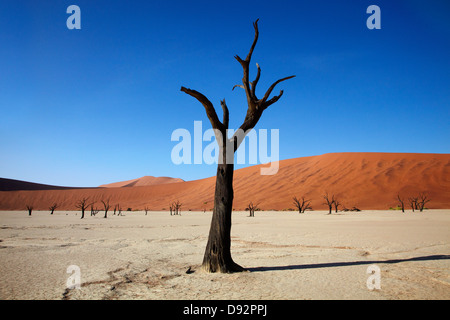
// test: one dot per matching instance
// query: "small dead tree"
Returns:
(329, 202)
(119, 210)
(29, 208)
(94, 211)
(302, 204)
(146, 210)
(175, 208)
(336, 203)
(252, 208)
(413, 203)
(106, 206)
(53, 207)
(422, 200)
(83, 204)
(402, 202)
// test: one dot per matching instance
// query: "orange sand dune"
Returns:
(364, 180)
(140, 182)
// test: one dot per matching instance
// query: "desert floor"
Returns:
(289, 255)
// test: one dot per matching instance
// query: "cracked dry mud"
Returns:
(288, 255)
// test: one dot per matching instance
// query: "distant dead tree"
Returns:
(175, 208)
(422, 200)
(119, 209)
(402, 202)
(94, 211)
(83, 205)
(106, 206)
(252, 208)
(329, 202)
(53, 207)
(302, 204)
(30, 209)
(413, 203)
(336, 203)
(146, 209)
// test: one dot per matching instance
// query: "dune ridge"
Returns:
(363, 180)
(143, 181)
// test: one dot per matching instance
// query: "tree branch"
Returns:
(210, 111)
(269, 91)
(226, 114)
(255, 82)
(255, 26)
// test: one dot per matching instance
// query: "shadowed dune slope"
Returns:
(13, 185)
(364, 180)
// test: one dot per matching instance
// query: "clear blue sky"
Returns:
(98, 105)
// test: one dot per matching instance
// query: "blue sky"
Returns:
(98, 105)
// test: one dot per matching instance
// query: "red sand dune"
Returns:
(364, 180)
(140, 182)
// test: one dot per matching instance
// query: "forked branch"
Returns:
(210, 111)
(255, 104)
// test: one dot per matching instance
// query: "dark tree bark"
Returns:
(402, 202)
(217, 256)
(336, 204)
(83, 205)
(30, 209)
(329, 202)
(421, 201)
(53, 207)
(106, 207)
(302, 205)
(252, 208)
(413, 203)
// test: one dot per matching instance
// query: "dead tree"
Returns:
(329, 202)
(30, 209)
(252, 208)
(302, 204)
(175, 208)
(413, 203)
(146, 210)
(336, 203)
(83, 205)
(53, 207)
(94, 211)
(422, 200)
(217, 257)
(402, 202)
(106, 206)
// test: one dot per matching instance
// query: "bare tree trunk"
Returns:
(402, 202)
(217, 256)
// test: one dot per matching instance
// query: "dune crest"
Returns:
(143, 181)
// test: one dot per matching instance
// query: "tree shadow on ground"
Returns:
(346, 264)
